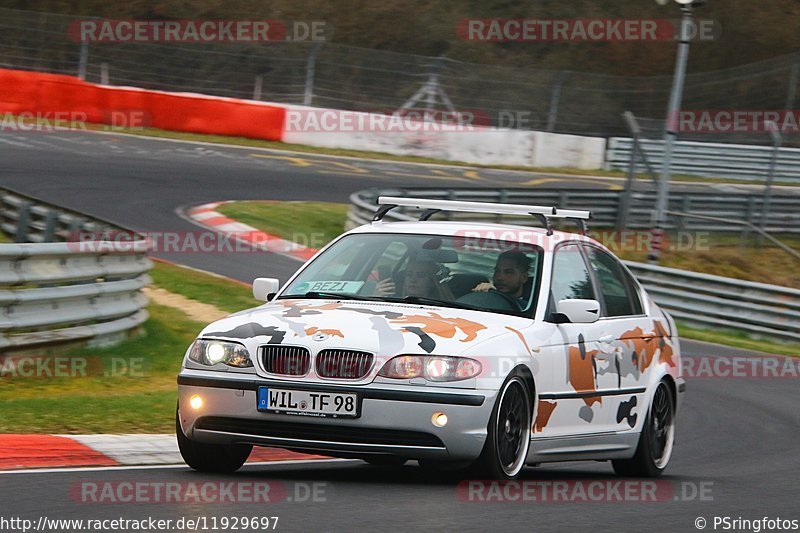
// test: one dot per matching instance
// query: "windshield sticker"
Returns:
(328, 286)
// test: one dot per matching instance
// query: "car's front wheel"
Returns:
(656, 440)
(509, 432)
(211, 457)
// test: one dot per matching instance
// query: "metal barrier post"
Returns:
(777, 140)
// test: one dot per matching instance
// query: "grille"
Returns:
(343, 364)
(286, 360)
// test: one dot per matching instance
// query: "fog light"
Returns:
(195, 402)
(439, 420)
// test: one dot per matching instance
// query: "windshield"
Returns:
(482, 274)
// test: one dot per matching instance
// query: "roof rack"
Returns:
(431, 207)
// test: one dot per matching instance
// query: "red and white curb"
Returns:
(48, 451)
(207, 216)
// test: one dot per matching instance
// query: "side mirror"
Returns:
(577, 311)
(264, 289)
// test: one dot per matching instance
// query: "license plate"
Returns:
(308, 403)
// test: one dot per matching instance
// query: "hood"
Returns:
(382, 328)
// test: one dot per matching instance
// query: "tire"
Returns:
(385, 460)
(217, 458)
(656, 440)
(509, 432)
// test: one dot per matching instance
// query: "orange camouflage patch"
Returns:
(543, 415)
(522, 338)
(666, 353)
(645, 349)
(331, 332)
(581, 372)
(435, 324)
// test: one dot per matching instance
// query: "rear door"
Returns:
(574, 403)
(626, 337)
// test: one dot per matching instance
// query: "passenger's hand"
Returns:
(384, 287)
(483, 287)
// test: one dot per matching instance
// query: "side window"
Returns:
(571, 278)
(616, 286)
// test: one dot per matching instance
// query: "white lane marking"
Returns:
(161, 467)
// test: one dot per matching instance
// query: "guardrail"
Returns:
(29, 220)
(64, 292)
(735, 161)
(698, 299)
(61, 292)
(783, 214)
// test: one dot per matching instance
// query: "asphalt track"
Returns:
(737, 438)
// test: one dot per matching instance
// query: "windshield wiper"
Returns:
(433, 301)
(331, 295)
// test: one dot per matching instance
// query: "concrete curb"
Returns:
(207, 216)
(48, 451)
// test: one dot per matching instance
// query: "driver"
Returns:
(510, 276)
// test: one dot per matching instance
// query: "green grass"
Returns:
(312, 224)
(122, 402)
(139, 401)
(737, 340)
(220, 292)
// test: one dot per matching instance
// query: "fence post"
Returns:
(555, 98)
(257, 87)
(624, 206)
(791, 92)
(104, 74)
(311, 63)
(777, 140)
(23, 220)
(83, 61)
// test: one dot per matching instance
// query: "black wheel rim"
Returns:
(513, 428)
(662, 426)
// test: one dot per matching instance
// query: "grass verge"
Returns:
(312, 224)
(127, 388)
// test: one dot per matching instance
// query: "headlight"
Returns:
(210, 353)
(431, 367)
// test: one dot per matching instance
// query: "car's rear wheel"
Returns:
(509, 432)
(211, 457)
(656, 440)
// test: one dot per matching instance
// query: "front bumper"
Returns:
(394, 420)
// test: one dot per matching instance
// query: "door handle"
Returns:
(606, 338)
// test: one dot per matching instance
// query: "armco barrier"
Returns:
(733, 161)
(782, 217)
(65, 292)
(40, 93)
(703, 300)
(54, 293)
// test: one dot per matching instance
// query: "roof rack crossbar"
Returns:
(432, 206)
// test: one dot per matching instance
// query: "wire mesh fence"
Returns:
(326, 74)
